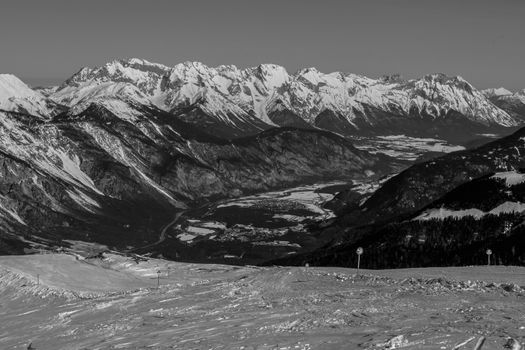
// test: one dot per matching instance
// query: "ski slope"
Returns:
(116, 305)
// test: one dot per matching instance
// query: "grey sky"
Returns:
(482, 40)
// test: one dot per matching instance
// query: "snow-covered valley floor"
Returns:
(57, 301)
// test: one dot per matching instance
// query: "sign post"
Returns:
(359, 252)
(489, 253)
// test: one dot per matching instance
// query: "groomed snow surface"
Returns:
(59, 301)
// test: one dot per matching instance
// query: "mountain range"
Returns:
(232, 102)
(114, 153)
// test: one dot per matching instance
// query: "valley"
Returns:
(251, 229)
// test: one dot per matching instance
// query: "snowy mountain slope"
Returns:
(257, 98)
(495, 194)
(116, 171)
(16, 96)
(457, 228)
(513, 103)
(495, 92)
(56, 183)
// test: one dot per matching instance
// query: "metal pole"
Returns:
(38, 279)
(359, 252)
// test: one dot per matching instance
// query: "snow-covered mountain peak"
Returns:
(191, 68)
(311, 75)
(16, 96)
(273, 76)
(106, 93)
(436, 79)
(138, 62)
(135, 71)
(127, 66)
(11, 86)
(496, 92)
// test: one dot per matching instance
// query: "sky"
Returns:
(46, 41)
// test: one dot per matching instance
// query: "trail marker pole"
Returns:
(359, 252)
(489, 253)
(158, 279)
(37, 279)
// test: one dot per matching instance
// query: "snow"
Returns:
(45, 156)
(11, 212)
(83, 200)
(65, 272)
(192, 232)
(114, 302)
(186, 237)
(501, 91)
(114, 96)
(511, 178)
(60, 165)
(11, 86)
(443, 213)
(71, 165)
(199, 230)
(157, 187)
(16, 96)
(508, 207)
(289, 217)
(214, 224)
